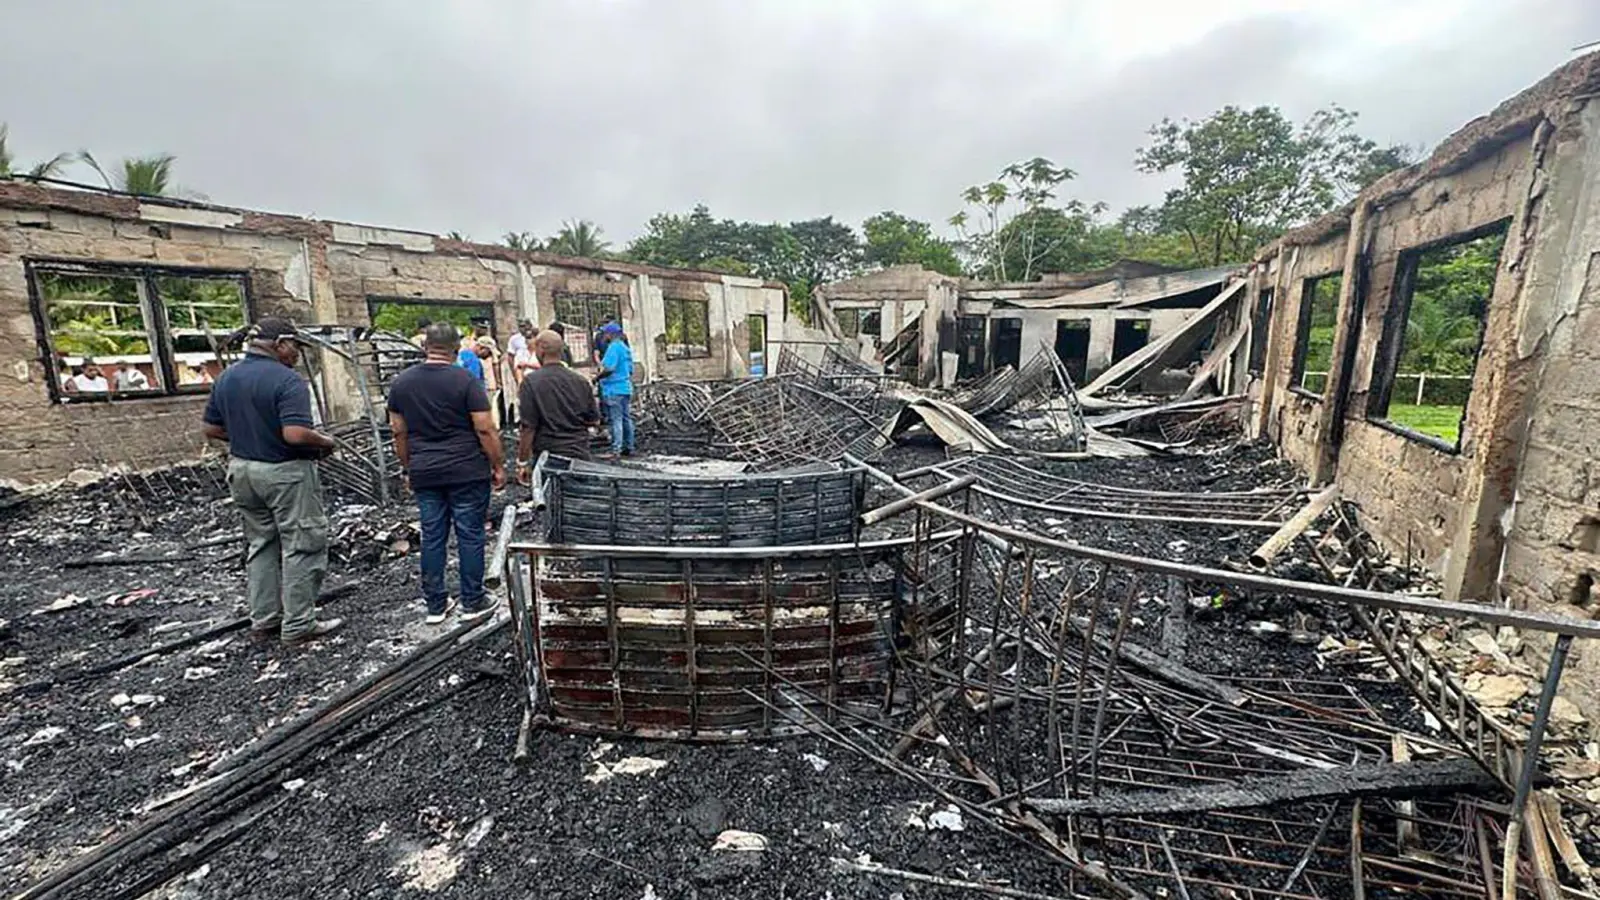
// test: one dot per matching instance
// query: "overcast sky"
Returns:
(484, 116)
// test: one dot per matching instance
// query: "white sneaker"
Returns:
(439, 617)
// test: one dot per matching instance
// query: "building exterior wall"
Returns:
(1552, 551)
(41, 439)
(1513, 515)
(1419, 498)
(313, 272)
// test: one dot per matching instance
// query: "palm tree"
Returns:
(579, 238)
(520, 240)
(1437, 341)
(47, 169)
(146, 176)
(458, 236)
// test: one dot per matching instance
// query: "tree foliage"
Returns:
(1249, 173)
(579, 237)
(1000, 226)
(1449, 300)
(145, 176)
(47, 169)
(895, 240)
(521, 240)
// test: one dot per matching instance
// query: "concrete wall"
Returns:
(1552, 553)
(312, 271)
(1039, 328)
(41, 439)
(1514, 514)
(1376, 465)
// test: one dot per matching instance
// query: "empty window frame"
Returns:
(582, 315)
(688, 328)
(125, 332)
(1429, 347)
(1313, 341)
(849, 321)
(871, 323)
(1260, 324)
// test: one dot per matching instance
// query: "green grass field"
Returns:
(1442, 422)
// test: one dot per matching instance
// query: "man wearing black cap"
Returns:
(262, 408)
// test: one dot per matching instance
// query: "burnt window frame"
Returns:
(592, 319)
(157, 327)
(681, 304)
(1391, 342)
(1260, 330)
(1302, 333)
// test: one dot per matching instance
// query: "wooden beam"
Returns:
(1390, 780)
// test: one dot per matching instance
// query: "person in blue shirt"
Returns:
(467, 358)
(616, 388)
(262, 408)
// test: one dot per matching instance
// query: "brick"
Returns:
(1556, 471)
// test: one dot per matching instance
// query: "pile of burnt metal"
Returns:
(824, 405)
(366, 469)
(771, 423)
(1014, 677)
(708, 608)
(1147, 777)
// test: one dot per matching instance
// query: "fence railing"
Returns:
(1418, 388)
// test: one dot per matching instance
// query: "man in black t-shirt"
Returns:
(449, 447)
(262, 408)
(557, 406)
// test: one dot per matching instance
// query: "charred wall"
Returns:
(314, 272)
(1512, 511)
(41, 438)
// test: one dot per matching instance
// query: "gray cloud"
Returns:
(503, 114)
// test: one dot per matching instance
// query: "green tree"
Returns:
(1001, 223)
(458, 236)
(579, 237)
(47, 169)
(895, 240)
(1449, 300)
(698, 240)
(521, 240)
(1248, 174)
(829, 251)
(1380, 161)
(145, 176)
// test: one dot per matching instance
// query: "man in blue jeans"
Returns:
(616, 388)
(450, 450)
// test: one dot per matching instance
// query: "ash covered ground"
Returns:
(430, 804)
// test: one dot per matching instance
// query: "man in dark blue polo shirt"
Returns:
(450, 449)
(262, 408)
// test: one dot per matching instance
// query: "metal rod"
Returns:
(896, 507)
(1530, 764)
(1535, 621)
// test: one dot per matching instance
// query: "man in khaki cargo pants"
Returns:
(262, 408)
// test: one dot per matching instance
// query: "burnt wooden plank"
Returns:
(1391, 780)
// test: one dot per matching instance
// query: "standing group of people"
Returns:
(444, 417)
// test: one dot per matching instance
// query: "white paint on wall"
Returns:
(183, 215)
(362, 234)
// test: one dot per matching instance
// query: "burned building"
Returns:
(1487, 475)
(145, 287)
(956, 328)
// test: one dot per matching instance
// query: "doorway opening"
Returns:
(1072, 345)
(1007, 346)
(969, 339)
(1130, 336)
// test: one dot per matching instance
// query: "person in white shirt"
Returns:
(90, 380)
(129, 378)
